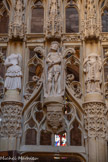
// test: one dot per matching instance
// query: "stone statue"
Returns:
(53, 61)
(53, 11)
(93, 73)
(17, 27)
(18, 13)
(13, 74)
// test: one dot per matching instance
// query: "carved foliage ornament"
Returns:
(11, 120)
(74, 86)
(95, 119)
(55, 120)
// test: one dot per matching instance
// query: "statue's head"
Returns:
(54, 45)
(93, 56)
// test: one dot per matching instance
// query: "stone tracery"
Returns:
(48, 112)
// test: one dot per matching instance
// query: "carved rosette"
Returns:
(11, 120)
(95, 119)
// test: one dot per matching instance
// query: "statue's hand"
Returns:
(53, 62)
(49, 64)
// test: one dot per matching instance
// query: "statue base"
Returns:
(93, 97)
(12, 95)
(11, 125)
(53, 99)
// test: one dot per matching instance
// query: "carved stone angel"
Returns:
(14, 73)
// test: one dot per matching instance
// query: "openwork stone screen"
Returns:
(55, 52)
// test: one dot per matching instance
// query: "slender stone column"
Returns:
(95, 125)
(10, 132)
(11, 106)
(94, 108)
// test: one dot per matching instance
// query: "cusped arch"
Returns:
(8, 4)
(30, 137)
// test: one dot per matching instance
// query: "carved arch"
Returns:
(73, 4)
(74, 115)
(72, 65)
(8, 4)
(34, 118)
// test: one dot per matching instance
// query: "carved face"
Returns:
(54, 46)
(93, 58)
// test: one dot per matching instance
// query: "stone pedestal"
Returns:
(10, 131)
(93, 97)
(12, 95)
(55, 120)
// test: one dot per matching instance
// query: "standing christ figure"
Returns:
(54, 69)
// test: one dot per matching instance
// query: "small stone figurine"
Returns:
(14, 73)
(53, 61)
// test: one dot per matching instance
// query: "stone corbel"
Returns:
(55, 119)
